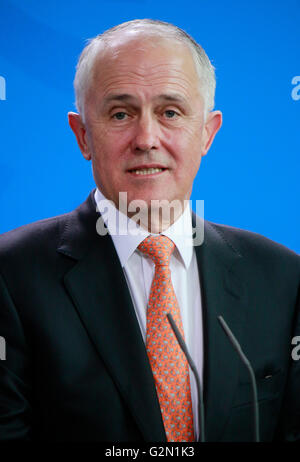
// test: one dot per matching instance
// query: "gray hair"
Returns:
(204, 68)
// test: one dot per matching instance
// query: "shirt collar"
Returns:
(126, 243)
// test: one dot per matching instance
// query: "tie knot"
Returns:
(159, 249)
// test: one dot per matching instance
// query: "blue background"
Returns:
(250, 177)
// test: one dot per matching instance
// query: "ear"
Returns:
(79, 130)
(210, 129)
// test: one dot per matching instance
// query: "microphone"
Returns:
(193, 367)
(244, 359)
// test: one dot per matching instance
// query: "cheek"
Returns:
(107, 151)
(187, 147)
(113, 144)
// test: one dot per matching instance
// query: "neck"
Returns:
(159, 217)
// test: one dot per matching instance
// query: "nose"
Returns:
(146, 134)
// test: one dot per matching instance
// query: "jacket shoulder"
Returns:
(33, 237)
(255, 246)
(41, 239)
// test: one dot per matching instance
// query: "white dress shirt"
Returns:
(139, 272)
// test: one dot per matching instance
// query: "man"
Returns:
(90, 352)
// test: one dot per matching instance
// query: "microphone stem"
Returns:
(196, 375)
(255, 403)
(243, 358)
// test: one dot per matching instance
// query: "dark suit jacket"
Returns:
(76, 366)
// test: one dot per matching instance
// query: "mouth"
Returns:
(146, 170)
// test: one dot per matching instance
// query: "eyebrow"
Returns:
(173, 97)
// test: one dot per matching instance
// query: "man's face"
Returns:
(144, 129)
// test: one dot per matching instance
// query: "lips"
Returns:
(145, 166)
(147, 169)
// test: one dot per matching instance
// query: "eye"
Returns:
(119, 115)
(170, 114)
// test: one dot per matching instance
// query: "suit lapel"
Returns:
(222, 294)
(98, 288)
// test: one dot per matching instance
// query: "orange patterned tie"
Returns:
(168, 363)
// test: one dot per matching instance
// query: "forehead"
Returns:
(145, 64)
